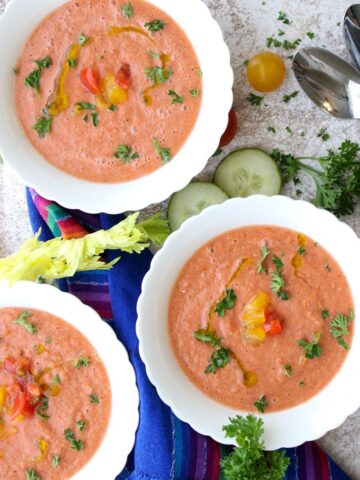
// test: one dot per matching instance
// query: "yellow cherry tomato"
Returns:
(265, 72)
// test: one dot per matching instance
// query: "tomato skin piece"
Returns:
(30, 405)
(123, 76)
(15, 400)
(273, 327)
(231, 129)
(90, 78)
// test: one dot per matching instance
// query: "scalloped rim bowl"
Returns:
(206, 37)
(111, 456)
(287, 428)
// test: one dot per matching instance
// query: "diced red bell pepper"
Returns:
(273, 327)
(123, 76)
(90, 78)
(231, 129)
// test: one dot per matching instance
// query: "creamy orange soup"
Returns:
(260, 318)
(55, 397)
(116, 90)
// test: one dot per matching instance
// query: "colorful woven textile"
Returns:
(165, 448)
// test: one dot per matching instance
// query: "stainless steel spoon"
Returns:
(351, 30)
(329, 81)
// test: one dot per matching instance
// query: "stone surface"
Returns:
(246, 24)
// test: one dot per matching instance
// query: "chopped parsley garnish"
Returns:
(218, 359)
(33, 80)
(55, 461)
(254, 99)
(127, 10)
(43, 125)
(113, 107)
(261, 404)
(158, 74)
(22, 320)
(217, 152)
(288, 129)
(176, 98)
(125, 153)
(227, 303)
(287, 98)
(43, 405)
(281, 32)
(83, 39)
(339, 327)
(328, 268)
(82, 362)
(282, 17)
(264, 254)
(271, 129)
(246, 62)
(194, 92)
(338, 24)
(311, 35)
(80, 425)
(323, 134)
(31, 474)
(70, 437)
(325, 313)
(16, 70)
(95, 118)
(302, 134)
(249, 460)
(48, 340)
(301, 384)
(163, 152)
(80, 106)
(277, 283)
(86, 117)
(288, 370)
(312, 349)
(94, 398)
(154, 54)
(56, 379)
(301, 250)
(43, 63)
(73, 63)
(155, 25)
(207, 337)
(285, 44)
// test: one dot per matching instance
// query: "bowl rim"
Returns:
(93, 197)
(323, 412)
(111, 456)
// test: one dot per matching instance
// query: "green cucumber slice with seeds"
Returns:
(248, 171)
(191, 200)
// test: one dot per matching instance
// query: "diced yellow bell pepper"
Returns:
(2, 395)
(112, 91)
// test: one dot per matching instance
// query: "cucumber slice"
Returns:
(246, 172)
(192, 200)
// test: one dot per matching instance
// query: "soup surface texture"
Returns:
(260, 318)
(55, 396)
(108, 90)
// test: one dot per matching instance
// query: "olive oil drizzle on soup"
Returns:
(260, 318)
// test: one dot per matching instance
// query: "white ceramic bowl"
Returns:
(119, 439)
(22, 16)
(286, 428)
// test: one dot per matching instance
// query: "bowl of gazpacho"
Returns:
(111, 105)
(250, 307)
(68, 397)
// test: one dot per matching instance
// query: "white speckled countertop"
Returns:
(246, 24)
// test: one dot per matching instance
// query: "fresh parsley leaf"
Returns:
(261, 404)
(323, 134)
(48, 340)
(311, 35)
(43, 126)
(271, 129)
(82, 362)
(218, 359)
(80, 425)
(249, 460)
(287, 45)
(227, 303)
(176, 98)
(113, 107)
(264, 254)
(70, 437)
(281, 32)
(254, 99)
(207, 337)
(86, 117)
(217, 152)
(56, 379)
(55, 461)
(328, 268)
(94, 398)
(125, 153)
(22, 320)
(163, 152)
(288, 370)
(301, 384)
(339, 327)
(301, 250)
(95, 118)
(45, 62)
(277, 283)
(288, 129)
(33, 81)
(158, 74)
(194, 92)
(31, 474)
(155, 25)
(282, 17)
(287, 98)
(72, 62)
(127, 10)
(80, 106)
(83, 39)
(312, 349)
(40, 409)
(325, 314)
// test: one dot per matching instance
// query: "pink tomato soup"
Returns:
(55, 396)
(118, 93)
(261, 318)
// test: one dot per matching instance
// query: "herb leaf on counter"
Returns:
(282, 17)
(22, 320)
(227, 303)
(340, 326)
(261, 404)
(323, 134)
(287, 98)
(254, 99)
(218, 359)
(249, 460)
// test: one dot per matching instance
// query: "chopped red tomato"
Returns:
(19, 367)
(30, 405)
(123, 76)
(231, 129)
(90, 78)
(15, 400)
(273, 327)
